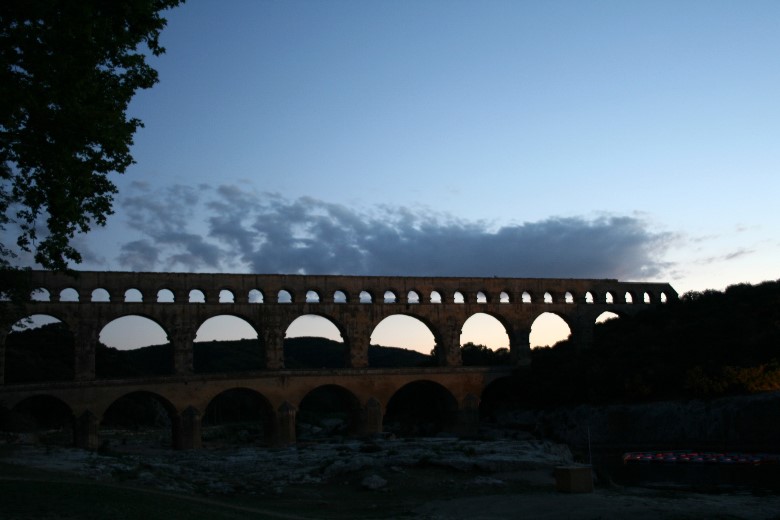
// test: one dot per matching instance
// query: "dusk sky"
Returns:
(598, 139)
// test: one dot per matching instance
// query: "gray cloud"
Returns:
(165, 219)
(733, 255)
(229, 228)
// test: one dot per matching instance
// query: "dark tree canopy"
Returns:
(68, 70)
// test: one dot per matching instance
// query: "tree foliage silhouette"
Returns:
(68, 70)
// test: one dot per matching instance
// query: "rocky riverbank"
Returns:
(425, 479)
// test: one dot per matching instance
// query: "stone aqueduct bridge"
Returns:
(270, 303)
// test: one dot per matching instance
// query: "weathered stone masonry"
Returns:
(337, 298)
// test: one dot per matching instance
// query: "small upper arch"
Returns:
(69, 295)
(165, 296)
(196, 296)
(133, 295)
(40, 295)
(285, 296)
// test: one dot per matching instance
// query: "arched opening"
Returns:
(138, 420)
(312, 297)
(588, 297)
(548, 329)
(327, 411)
(412, 297)
(435, 297)
(421, 409)
(548, 298)
(458, 297)
(663, 297)
(504, 297)
(227, 344)
(339, 297)
(481, 297)
(484, 341)
(196, 296)
(365, 297)
(133, 296)
(647, 298)
(284, 296)
(606, 316)
(629, 298)
(226, 296)
(526, 297)
(165, 296)
(48, 419)
(401, 341)
(312, 341)
(40, 295)
(255, 296)
(133, 346)
(389, 297)
(100, 296)
(608, 298)
(238, 415)
(568, 297)
(39, 348)
(69, 295)
(497, 398)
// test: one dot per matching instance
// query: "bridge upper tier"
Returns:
(494, 289)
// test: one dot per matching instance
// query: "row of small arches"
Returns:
(284, 296)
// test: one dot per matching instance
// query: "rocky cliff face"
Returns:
(745, 423)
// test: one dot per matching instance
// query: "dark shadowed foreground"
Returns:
(441, 478)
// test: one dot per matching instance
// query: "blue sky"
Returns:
(630, 140)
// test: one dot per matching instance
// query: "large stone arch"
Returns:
(41, 414)
(238, 414)
(498, 355)
(331, 408)
(402, 338)
(51, 338)
(141, 409)
(151, 357)
(562, 316)
(342, 354)
(227, 351)
(496, 397)
(107, 319)
(421, 408)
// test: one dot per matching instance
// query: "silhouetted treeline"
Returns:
(707, 344)
(46, 353)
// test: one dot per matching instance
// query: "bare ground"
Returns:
(434, 479)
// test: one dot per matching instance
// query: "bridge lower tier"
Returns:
(186, 398)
